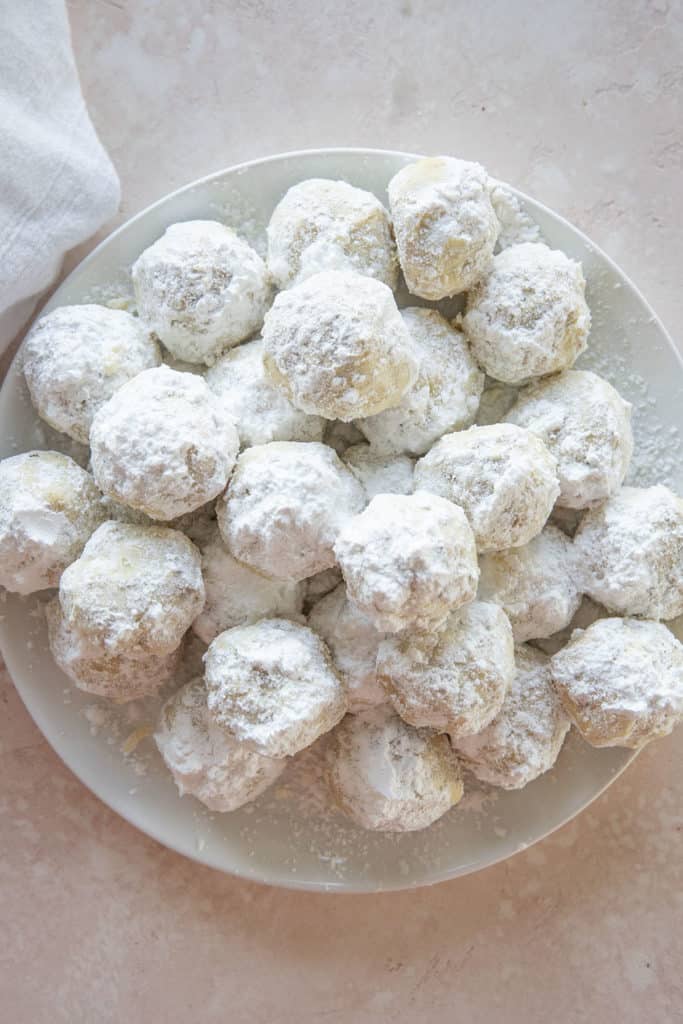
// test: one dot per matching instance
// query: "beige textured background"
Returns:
(580, 105)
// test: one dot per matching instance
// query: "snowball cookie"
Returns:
(536, 585)
(444, 397)
(134, 590)
(380, 474)
(455, 679)
(284, 507)
(504, 478)
(262, 413)
(528, 316)
(76, 357)
(272, 685)
(205, 760)
(330, 225)
(201, 289)
(235, 594)
(631, 551)
(118, 677)
(444, 223)
(408, 560)
(337, 347)
(621, 681)
(389, 777)
(163, 444)
(49, 506)
(586, 425)
(353, 642)
(525, 738)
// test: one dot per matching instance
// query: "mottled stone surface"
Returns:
(578, 104)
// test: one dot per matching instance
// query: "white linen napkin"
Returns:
(57, 184)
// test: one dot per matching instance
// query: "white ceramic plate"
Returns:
(288, 837)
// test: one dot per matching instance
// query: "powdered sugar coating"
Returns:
(118, 677)
(389, 777)
(536, 585)
(204, 759)
(380, 474)
(621, 681)
(444, 397)
(49, 506)
(272, 685)
(408, 560)
(586, 614)
(337, 347)
(261, 412)
(201, 289)
(321, 224)
(528, 317)
(455, 679)
(163, 444)
(353, 642)
(445, 225)
(525, 738)
(284, 507)
(76, 357)
(516, 225)
(199, 524)
(235, 594)
(134, 589)
(503, 477)
(631, 552)
(586, 425)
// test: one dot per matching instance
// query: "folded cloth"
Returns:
(57, 184)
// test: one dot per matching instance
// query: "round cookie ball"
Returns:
(205, 760)
(337, 347)
(504, 478)
(528, 317)
(76, 357)
(621, 681)
(272, 685)
(631, 552)
(261, 413)
(163, 444)
(330, 225)
(444, 397)
(49, 506)
(353, 642)
(380, 474)
(118, 677)
(525, 738)
(235, 594)
(389, 777)
(445, 225)
(284, 507)
(201, 289)
(453, 680)
(536, 585)
(586, 425)
(408, 560)
(134, 589)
